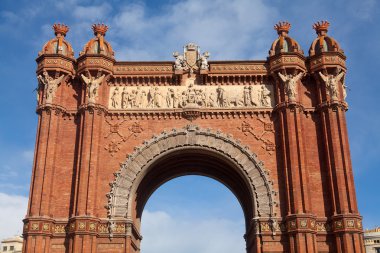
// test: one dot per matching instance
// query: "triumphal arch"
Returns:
(273, 131)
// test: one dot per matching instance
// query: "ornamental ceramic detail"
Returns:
(191, 96)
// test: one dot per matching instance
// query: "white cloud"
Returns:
(163, 233)
(12, 211)
(226, 28)
(95, 13)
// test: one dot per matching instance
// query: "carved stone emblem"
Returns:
(191, 59)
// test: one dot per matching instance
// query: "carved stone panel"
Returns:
(192, 95)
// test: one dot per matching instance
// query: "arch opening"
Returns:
(190, 214)
(195, 161)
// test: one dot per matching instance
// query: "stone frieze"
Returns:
(191, 96)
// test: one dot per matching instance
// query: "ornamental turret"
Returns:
(323, 43)
(58, 45)
(327, 64)
(98, 45)
(95, 62)
(287, 64)
(55, 66)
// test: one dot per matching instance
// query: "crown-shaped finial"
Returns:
(99, 29)
(321, 27)
(282, 26)
(60, 29)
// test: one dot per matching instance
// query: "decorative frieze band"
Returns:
(191, 96)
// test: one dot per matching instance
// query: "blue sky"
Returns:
(152, 30)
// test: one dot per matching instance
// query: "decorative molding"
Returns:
(259, 134)
(115, 137)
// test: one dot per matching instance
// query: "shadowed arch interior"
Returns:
(196, 161)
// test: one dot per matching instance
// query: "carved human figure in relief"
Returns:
(247, 96)
(154, 98)
(124, 98)
(221, 98)
(290, 82)
(140, 98)
(170, 98)
(92, 84)
(331, 82)
(132, 99)
(115, 98)
(50, 85)
(265, 96)
(210, 99)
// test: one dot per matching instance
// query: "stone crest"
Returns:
(191, 59)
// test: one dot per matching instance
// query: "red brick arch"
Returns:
(191, 150)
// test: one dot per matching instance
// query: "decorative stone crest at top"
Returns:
(49, 85)
(321, 27)
(92, 86)
(60, 29)
(191, 59)
(282, 27)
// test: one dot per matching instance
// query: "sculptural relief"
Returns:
(92, 85)
(290, 82)
(192, 95)
(331, 83)
(50, 85)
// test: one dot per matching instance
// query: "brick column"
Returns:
(345, 218)
(300, 220)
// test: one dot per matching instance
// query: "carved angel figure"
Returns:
(92, 84)
(290, 82)
(331, 83)
(50, 85)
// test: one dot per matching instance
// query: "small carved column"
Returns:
(287, 68)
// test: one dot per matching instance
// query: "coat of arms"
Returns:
(191, 59)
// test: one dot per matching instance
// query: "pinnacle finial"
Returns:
(321, 27)
(282, 27)
(60, 29)
(99, 29)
